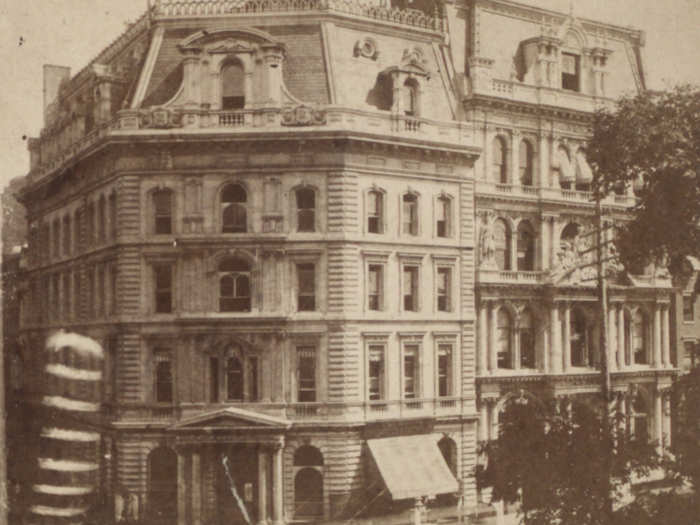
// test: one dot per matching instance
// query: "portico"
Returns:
(230, 468)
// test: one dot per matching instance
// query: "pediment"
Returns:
(226, 41)
(232, 418)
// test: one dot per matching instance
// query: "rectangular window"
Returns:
(410, 289)
(410, 215)
(443, 217)
(570, 72)
(375, 286)
(444, 364)
(306, 277)
(163, 380)
(66, 296)
(162, 203)
(306, 374)
(66, 235)
(306, 210)
(101, 299)
(213, 379)
(375, 205)
(444, 279)
(376, 373)
(410, 371)
(76, 294)
(163, 288)
(688, 308)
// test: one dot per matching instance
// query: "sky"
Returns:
(72, 32)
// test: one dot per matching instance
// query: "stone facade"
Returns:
(295, 229)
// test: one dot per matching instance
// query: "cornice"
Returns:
(473, 102)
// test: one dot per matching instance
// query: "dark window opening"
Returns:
(162, 209)
(376, 372)
(306, 210)
(164, 382)
(306, 372)
(375, 287)
(163, 288)
(233, 209)
(443, 217)
(443, 289)
(410, 371)
(234, 379)
(234, 286)
(410, 289)
(232, 89)
(444, 370)
(570, 67)
(375, 205)
(410, 214)
(306, 275)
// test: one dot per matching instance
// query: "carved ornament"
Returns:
(367, 48)
(303, 116)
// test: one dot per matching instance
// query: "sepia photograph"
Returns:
(350, 262)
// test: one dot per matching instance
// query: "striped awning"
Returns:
(412, 466)
(584, 175)
(566, 169)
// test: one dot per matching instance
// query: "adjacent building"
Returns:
(318, 238)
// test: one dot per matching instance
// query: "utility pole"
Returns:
(604, 353)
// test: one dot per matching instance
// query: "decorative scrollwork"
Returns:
(303, 116)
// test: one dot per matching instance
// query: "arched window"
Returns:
(500, 161)
(232, 86)
(308, 482)
(504, 326)
(568, 236)
(526, 163)
(162, 485)
(409, 101)
(306, 209)
(234, 285)
(640, 418)
(502, 241)
(526, 339)
(409, 213)
(162, 211)
(234, 379)
(375, 212)
(639, 340)
(233, 209)
(579, 338)
(526, 247)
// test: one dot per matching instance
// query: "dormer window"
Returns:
(570, 72)
(232, 87)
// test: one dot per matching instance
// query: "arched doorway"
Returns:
(162, 485)
(308, 483)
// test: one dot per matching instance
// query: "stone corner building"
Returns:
(299, 228)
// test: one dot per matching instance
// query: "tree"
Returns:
(652, 142)
(553, 464)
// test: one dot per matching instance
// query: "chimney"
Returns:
(53, 76)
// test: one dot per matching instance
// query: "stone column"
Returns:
(555, 340)
(262, 486)
(493, 354)
(667, 419)
(612, 342)
(567, 337)
(658, 419)
(277, 487)
(196, 488)
(515, 158)
(657, 337)
(621, 337)
(483, 364)
(181, 489)
(666, 342)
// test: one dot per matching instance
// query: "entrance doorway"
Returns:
(236, 485)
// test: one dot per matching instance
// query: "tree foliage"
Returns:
(652, 141)
(555, 466)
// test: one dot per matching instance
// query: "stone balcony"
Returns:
(353, 412)
(541, 193)
(495, 276)
(286, 120)
(538, 95)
